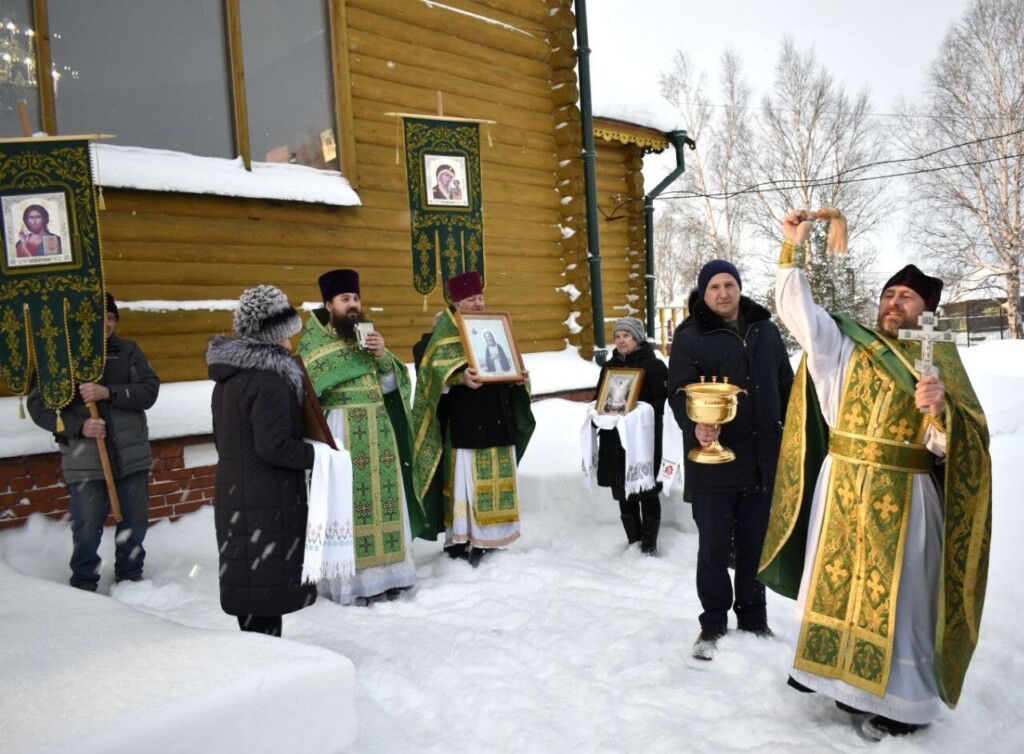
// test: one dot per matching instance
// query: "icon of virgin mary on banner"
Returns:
(442, 160)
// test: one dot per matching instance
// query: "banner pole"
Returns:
(108, 474)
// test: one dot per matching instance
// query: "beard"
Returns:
(893, 332)
(345, 324)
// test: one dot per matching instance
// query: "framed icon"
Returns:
(619, 391)
(446, 179)
(490, 346)
(314, 423)
(36, 230)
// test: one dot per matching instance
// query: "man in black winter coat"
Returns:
(260, 499)
(128, 388)
(729, 335)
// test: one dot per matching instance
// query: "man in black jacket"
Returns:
(729, 335)
(128, 388)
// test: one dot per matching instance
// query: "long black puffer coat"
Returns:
(756, 360)
(611, 459)
(260, 499)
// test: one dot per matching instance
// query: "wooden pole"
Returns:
(108, 474)
(26, 124)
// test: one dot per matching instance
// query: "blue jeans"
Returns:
(90, 505)
(724, 518)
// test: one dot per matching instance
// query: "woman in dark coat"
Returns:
(640, 512)
(260, 499)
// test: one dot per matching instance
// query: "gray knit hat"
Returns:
(264, 314)
(633, 326)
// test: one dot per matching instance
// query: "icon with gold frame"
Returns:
(619, 391)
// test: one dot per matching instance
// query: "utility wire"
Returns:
(841, 177)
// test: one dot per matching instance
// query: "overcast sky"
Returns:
(884, 46)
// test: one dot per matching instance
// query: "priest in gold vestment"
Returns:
(881, 516)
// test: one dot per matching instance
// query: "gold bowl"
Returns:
(712, 403)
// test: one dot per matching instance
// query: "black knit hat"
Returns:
(112, 308)
(928, 288)
(338, 281)
(715, 267)
(264, 314)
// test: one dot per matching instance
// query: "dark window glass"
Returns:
(155, 74)
(288, 82)
(18, 80)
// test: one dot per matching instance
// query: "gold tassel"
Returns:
(489, 142)
(60, 423)
(837, 229)
(398, 141)
(100, 204)
(21, 407)
(424, 302)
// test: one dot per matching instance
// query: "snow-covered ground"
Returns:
(567, 641)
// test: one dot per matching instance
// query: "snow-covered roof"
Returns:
(658, 115)
(164, 170)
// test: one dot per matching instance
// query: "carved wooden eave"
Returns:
(648, 139)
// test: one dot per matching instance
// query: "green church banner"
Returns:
(442, 160)
(51, 277)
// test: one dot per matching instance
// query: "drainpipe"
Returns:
(590, 181)
(678, 139)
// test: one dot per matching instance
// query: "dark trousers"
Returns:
(724, 517)
(90, 505)
(260, 625)
(641, 516)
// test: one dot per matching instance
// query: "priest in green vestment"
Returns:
(881, 517)
(364, 391)
(469, 437)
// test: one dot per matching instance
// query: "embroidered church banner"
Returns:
(51, 278)
(442, 161)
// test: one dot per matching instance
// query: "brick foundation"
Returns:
(34, 484)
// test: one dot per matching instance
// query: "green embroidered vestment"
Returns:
(877, 446)
(348, 378)
(494, 472)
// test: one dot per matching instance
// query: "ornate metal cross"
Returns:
(927, 335)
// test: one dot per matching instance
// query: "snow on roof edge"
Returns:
(165, 170)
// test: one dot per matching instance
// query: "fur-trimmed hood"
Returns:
(225, 357)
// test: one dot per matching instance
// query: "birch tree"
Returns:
(969, 134)
(709, 218)
(815, 146)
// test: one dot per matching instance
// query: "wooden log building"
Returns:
(510, 62)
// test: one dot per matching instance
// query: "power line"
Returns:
(841, 177)
(762, 108)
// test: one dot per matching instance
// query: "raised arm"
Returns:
(815, 331)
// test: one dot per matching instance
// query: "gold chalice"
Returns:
(712, 403)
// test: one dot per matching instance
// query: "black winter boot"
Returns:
(629, 512)
(649, 535)
(632, 526)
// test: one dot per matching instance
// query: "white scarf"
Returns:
(671, 452)
(636, 433)
(330, 551)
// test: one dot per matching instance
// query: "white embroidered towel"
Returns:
(330, 551)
